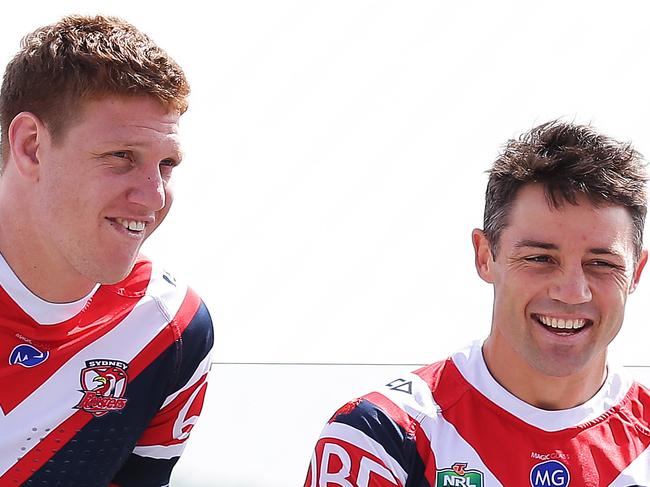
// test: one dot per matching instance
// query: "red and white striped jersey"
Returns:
(452, 424)
(104, 391)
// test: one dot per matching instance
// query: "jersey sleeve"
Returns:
(364, 444)
(161, 444)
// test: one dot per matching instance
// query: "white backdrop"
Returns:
(334, 169)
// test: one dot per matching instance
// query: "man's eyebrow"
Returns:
(536, 243)
(605, 251)
(549, 246)
(175, 150)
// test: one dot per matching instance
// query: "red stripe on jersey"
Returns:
(47, 447)
(161, 429)
(52, 443)
(510, 447)
(431, 373)
(106, 309)
(345, 409)
(341, 464)
(423, 446)
(169, 335)
(396, 413)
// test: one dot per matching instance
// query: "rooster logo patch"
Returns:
(103, 385)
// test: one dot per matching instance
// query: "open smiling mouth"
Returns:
(132, 226)
(563, 327)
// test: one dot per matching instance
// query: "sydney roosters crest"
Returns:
(103, 385)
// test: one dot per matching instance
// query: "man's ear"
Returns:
(25, 133)
(638, 269)
(482, 255)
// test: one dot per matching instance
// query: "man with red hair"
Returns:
(106, 354)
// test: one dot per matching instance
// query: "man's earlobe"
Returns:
(24, 133)
(482, 255)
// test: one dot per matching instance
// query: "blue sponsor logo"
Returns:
(27, 356)
(549, 474)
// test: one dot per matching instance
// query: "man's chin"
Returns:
(116, 274)
(558, 368)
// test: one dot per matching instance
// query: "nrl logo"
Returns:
(458, 475)
(103, 384)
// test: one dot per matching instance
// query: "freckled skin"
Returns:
(573, 262)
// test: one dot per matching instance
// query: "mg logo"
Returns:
(549, 474)
(459, 476)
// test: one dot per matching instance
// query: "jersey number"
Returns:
(345, 470)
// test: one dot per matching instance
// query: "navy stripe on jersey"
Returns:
(145, 472)
(375, 423)
(89, 458)
(416, 476)
(194, 345)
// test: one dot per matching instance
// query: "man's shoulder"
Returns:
(382, 431)
(637, 401)
(402, 401)
(149, 278)
(152, 280)
(188, 321)
(153, 290)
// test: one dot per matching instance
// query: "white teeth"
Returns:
(562, 324)
(132, 225)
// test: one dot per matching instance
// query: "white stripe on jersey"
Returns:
(451, 448)
(41, 311)
(359, 439)
(472, 367)
(165, 293)
(35, 417)
(160, 452)
(418, 403)
(444, 440)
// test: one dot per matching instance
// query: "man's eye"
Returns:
(541, 259)
(601, 263)
(121, 154)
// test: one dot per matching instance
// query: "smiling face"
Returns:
(561, 280)
(103, 189)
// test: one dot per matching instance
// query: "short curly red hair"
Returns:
(60, 66)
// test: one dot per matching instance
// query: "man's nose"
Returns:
(148, 188)
(571, 286)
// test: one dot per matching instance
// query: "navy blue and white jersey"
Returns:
(103, 391)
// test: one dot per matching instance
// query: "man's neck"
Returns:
(44, 277)
(538, 389)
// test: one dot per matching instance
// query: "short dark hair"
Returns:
(60, 66)
(568, 160)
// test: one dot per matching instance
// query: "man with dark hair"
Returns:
(536, 403)
(105, 354)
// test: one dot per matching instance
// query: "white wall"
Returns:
(334, 170)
